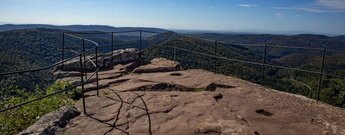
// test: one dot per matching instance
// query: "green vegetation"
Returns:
(28, 49)
(303, 40)
(36, 48)
(18, 119)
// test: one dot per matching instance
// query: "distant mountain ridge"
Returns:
(339, 37)
(103, 28)
(302, 40)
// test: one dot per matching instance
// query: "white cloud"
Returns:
(298, 15)
(247, 5)
(315, 10)
(279, 14)
(319, 6)
(334, 4)
(306, 9)
(213, 7)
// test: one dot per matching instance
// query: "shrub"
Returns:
(18, 119)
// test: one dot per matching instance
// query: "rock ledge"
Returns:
(52, 122)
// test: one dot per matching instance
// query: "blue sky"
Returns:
(323, 16)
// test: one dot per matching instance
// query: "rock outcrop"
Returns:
(70, 71)
(104, 60)
(158, 65)
(52, 122)
(168, 101)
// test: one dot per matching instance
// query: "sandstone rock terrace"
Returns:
(163, 100)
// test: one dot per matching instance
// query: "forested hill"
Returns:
(303, 40)
(25, 49)
(292, 57)
(187, 45)
(332, 91)
(103, 28)
(28, 49)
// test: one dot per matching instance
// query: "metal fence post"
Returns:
(84, 57)
(321, 74)
(82, 81)
(264, 66)
(63, 49)
(215, 56)
(140, 43)
(112, 46)
(97, 69)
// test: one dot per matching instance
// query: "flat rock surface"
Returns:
(199, 102)
(158, 65)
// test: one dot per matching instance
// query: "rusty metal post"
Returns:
(321, 74)
(112, 46)
(264, 66)
(97, 69)
(63, 49)
(215, 56)
(82, 81)
(141, 33)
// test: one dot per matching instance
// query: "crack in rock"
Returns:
(218, 97)
(264, 112)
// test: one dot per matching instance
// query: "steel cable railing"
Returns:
(320, 73)
(264, 65)
(215, 56)
(39, 98)
(82, 61)
(60, 63)
(37, 69)
(273, 46)
(257, 63)
(52, 94)
(82, 38)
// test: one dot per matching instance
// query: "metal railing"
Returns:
(78, 54)
(82, 61)
(264, 63)
(83, 58)
(112, 46)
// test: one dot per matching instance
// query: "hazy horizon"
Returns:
(269, 16)
(195, 31)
